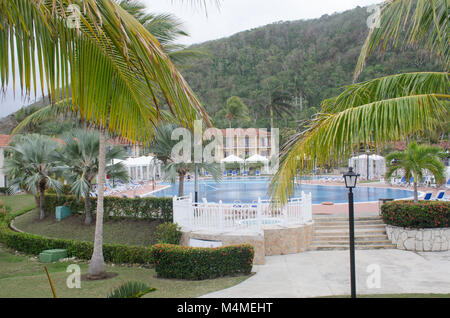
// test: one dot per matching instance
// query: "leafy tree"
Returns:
(31, 166)
(79, 161)
(379, 110)
(414, 161)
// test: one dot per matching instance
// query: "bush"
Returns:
(144, 208)
(66, 190)
(4, 190)
(168, 233)
(194, 263)
(35, 244)
(424, 214)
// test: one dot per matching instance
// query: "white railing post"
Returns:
(221, 218)
(259, 213)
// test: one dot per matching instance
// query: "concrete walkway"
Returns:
(324, 273)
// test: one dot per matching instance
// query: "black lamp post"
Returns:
(350, 182)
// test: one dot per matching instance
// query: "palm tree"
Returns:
(379, 110)
(279, 104)
(80, 164)
(32, 166)
(235, 109)
(414, 161)
(112, 68)
(162, 146)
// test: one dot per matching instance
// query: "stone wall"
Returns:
(273, 240)
(419, 240)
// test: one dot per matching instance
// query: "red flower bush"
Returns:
(424, 214)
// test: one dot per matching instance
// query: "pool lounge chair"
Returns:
(230, 172)
(225, 173)
(448, 183)
(244, 173)
(427, 196)
(441, 196)
(258, 173)
(234, 173)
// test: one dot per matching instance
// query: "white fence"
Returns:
(228, 217)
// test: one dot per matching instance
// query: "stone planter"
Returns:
(419, 240)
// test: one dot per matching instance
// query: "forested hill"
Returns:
(313, 59)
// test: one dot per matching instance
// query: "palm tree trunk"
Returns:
(416, 196)
(181, 185)
(97, 267)
(87, 209)
(271, 118)
(41, 201)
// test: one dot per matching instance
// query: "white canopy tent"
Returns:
(231, 159)
(376, 166)
(142, 168)
(258, 158)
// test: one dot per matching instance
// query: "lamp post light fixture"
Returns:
(350, 179)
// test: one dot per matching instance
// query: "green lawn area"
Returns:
(131, 232)
(24, 276)
(18, 202)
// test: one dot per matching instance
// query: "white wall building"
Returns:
(4, 140)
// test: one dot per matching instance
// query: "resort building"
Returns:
(244, 143)
(4, 141)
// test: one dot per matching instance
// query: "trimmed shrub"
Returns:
(151, 208)
(34, 244)
(4, 190)
(195, 263)
(66, 190)
(424, 214)
(168, 233)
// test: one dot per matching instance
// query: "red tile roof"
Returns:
(4, 140)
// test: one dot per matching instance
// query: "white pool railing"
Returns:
(234, 216)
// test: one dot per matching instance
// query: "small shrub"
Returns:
(66, 190)
(131, 290)
(4, 190)
(195, 263)
(424, 214)
(168, 233)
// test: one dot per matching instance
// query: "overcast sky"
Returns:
(231, 17)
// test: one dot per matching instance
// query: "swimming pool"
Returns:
(248, 189)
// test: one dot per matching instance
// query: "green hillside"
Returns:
(310, 59)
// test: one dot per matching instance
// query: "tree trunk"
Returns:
(416, 196)
(181, 185)
(41, 201)
(97, 267)
(271, 119)
(87, 209)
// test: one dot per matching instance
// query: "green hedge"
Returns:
(424, 214)
(194, 263)
(34, 244)
(3, 190)
(146, 208)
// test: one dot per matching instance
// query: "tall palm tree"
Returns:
(236, 109)
(111, 67)
(162, 146)
(414, 161)
(379, 110)
(279, 104)
(32, 166)
(80, 164)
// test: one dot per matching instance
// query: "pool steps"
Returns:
(331, 233)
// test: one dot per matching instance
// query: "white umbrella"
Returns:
(256, 158)
(232, 158)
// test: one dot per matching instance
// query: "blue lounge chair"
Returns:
(258, 173)
(225, 173)
(245, 173)
(440, 195)
(234, 173)
(448, 183)
(206, 173)
(230, 172)
(428, 196)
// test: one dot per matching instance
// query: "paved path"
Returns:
(323, 273)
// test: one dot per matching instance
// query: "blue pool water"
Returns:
(248, 189)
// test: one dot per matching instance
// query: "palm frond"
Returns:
(409, 23)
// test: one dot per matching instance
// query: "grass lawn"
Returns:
(18, 202)
(24, 276)
(131, 231)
